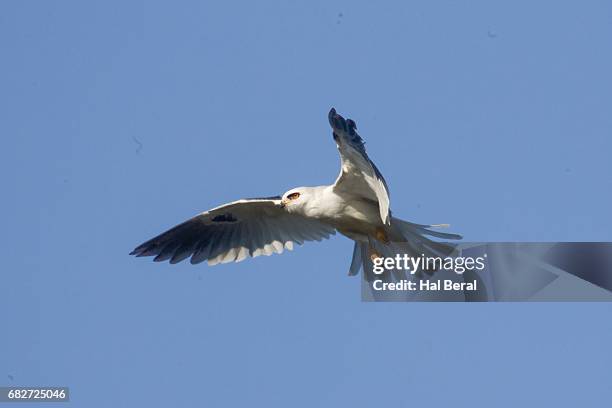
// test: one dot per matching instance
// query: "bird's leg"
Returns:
(381, 235)
(374, 255)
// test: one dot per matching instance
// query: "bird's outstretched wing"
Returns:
(358, 174)
(233, 232)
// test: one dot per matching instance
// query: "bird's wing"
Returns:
(358, 174)
(233, 232)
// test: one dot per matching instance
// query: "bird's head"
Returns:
(294, 199)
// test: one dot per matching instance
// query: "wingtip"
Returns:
(339, 124)
(331, 117)
(336, 121)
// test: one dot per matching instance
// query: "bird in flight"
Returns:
(357, 206)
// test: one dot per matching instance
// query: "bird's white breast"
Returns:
(344, 212)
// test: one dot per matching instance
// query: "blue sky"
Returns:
(121, 119)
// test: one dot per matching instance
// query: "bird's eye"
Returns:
(293, 196)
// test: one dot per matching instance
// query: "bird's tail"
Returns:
(414, 241)
(416, 238)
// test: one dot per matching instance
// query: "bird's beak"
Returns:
(283, 203)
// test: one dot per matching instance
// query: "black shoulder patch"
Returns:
(227, 217)
(265, 198)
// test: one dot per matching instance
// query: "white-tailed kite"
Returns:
(356, 205)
